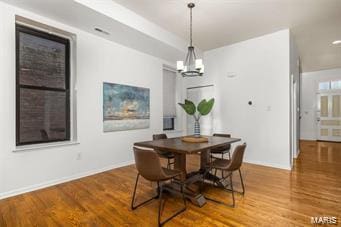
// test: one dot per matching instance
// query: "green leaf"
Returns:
(189, 102)
(188, 106)
(205, 107)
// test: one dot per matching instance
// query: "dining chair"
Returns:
(221, 149)
(228, 166)
(164, 154)
(149, 167)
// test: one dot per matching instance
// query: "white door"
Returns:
(196, 94)
(329, 116)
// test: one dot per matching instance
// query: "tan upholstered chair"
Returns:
(222, 149)
(164, 154)
(229, 166)
(149, 167)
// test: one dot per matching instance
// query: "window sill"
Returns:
(44, 146)
(173, 131)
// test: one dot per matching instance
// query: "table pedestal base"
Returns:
(221, 183)
(192, 184)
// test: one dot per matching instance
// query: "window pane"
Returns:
(168, 123)
(324, 85)
(42, 62)
(336, 84)
(324, 106)
(42, 115)
(169, 93)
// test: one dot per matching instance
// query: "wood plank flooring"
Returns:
(274, 197)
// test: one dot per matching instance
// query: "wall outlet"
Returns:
(79, 155)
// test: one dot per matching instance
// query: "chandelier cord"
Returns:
(191, 27)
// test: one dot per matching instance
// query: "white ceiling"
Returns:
(314, 23)
(124, 26)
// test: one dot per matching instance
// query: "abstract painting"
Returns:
(125, 107)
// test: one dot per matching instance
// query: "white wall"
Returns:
(261, 69)
(310, 81)
(2, 108)
(98, 60)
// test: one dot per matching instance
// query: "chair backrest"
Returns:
(237, 158)
(148, 164)
(159, 136)
(225, 147)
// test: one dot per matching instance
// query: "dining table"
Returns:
(181, 150)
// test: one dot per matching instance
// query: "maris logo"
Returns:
(324, 220)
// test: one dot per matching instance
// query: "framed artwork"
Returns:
(125, 107)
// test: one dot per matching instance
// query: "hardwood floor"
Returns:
(274, 197)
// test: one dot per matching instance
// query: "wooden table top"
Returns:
(176, 145)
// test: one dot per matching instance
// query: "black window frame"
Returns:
(41, 34)
(173, 124)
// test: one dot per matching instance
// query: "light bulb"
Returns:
(198, 63)
(180, 65)
(202, 70)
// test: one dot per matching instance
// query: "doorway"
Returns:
(328, 116)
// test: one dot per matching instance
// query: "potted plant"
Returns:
(204, 108)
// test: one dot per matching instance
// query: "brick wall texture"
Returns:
(42, 112)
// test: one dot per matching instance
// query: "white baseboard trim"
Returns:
(273, 165)
(297, 153)
(62, 180)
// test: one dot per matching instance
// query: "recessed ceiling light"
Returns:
(102, 31)
(336, 42)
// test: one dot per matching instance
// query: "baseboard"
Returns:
(307, 140)
(297, 153)
(62, 180)
(273, 165)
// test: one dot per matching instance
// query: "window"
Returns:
(324, 85)
(168, 123)
(169, 99)
(336, 84)
(330, 85)
(42, 87)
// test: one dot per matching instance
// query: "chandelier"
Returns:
(192, 66)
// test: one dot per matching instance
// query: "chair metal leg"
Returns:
(176, 213)
(226, 189)
(231, 183)
(158, 189)
(160, 205)
(133, 207)
(242, 183)
(241, 180)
